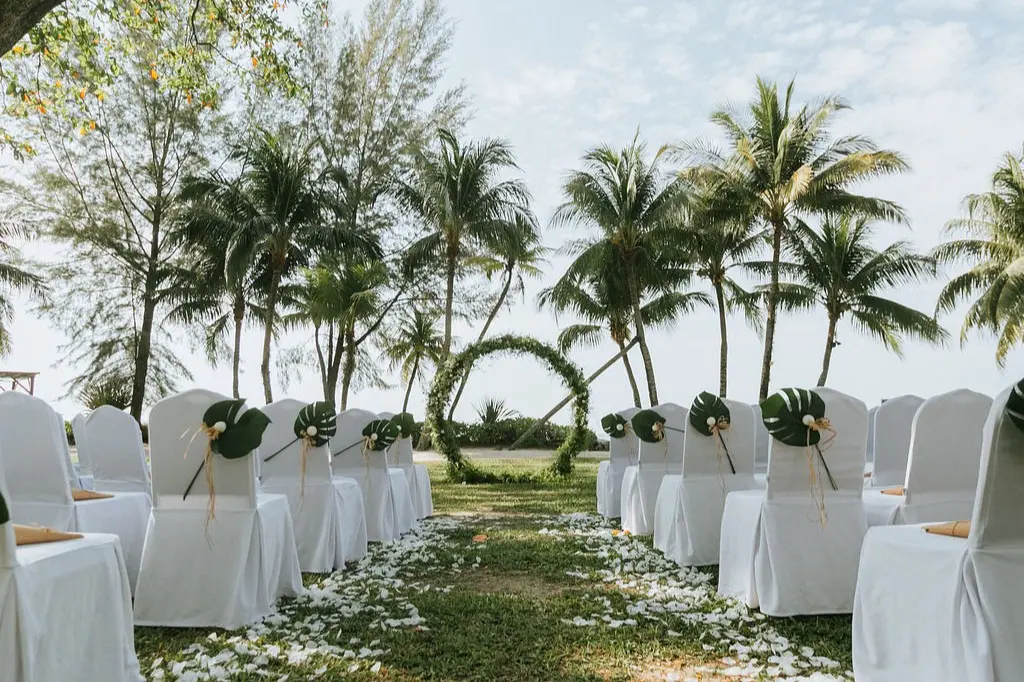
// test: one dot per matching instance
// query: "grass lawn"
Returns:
(509, 582)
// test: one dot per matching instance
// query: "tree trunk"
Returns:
(565, 401)
(142, 353)
(483, 332)
(723, 358)
(350, 365)
(236, 352)
(773, 301)
(268, 335)
(629, 373)
(449, 296)
(17, 17)
(829, 345)
(645, 353)
(335, 353)
(412, 378)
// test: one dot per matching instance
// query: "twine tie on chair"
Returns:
(212, 433)
(717, 426)
(817, 493)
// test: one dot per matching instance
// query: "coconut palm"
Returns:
(416, 345)
(13, 279)
(634, 205)
(840, 271)
(782, 163)
(275, 218)
(514, 254)
(994, 249)
(455, 192)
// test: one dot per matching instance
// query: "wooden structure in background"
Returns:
(25, 381)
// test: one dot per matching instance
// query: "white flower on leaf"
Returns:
(618, 427)
(311, 430)
(711, 421)
(220, 427)
(808, 419)
(373, 436)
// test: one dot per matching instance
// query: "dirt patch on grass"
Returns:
(681, 671)
(498, 582)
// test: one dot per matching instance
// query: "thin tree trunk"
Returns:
(565, 401)
(483, 332)
(773, 300)
(336, 352)
(268, 336)
(412, 378)
(350, 366)
(723, 358)
(829, 345)
(629, 373)
(449, 296)
(142, 353)
(321, 361)
(645, 352)
(236, 351)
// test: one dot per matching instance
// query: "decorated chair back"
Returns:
(996, 522)
(400, 453)
(625, 451)
(669, 449)
(34, 449)
(710, 455)
(894, 420)
(945, 442)
(78, 431)
(762, 441)
(112, 443)
(842, 445)
(177, 448)
(287, 462)
(347, 446)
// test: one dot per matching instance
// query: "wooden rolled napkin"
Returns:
(956, 529)
(79, 495)
(898, 490)
(35, 535)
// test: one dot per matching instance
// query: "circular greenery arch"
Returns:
(459, 468)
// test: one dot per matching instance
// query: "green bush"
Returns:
(504, 432)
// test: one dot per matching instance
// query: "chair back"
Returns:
(625, 451)
(710, 455)
(668, 450)
(287, 464)
(894, 420)
(111, 441)
(347, 444)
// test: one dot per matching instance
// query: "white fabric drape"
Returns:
(109, 441)
(931, 607)
(890, 446)
(775, 553)
(400, 456)
(622, 453)
(640, 483)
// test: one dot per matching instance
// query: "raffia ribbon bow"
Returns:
(212, 433)
(819, 424)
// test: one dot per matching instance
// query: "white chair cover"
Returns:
(236, 565)
(386, 498)
(775, 553)
(893, 422)
(931, 607)
(327, 513)
(763, 443)
(34, 446)
(871, 438)
(110, 441)
(78, 430)
(688, 519)
(942, 471)
(622, 452)
(417, 475)
(640, 483)
(47, 592)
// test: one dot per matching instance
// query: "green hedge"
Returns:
(506, 431)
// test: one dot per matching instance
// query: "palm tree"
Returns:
(275, 218)
(994, 249)
(634, 205)
(416, 344)
(456, 193)
(12, 279)
(515, 253)
(782, 163)
(604, 302)
(840, 271)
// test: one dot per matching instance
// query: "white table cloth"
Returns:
(641, 483)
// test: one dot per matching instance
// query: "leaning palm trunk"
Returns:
(629, 374)
(268, 336)
(236, 351)
(723, 329)
(412, 379)
(773, 302)
(830, 343)
(483, 333)
(641, 335)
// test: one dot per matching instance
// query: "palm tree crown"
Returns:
(416, 344)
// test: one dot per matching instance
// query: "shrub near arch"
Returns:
(441, 390)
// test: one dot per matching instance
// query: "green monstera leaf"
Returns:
(649, 426)
(788, 416)
(1015, 405)
(238, 435)
(614, 425)
(405, 422)
(318, 422)
(707, 411)
(5, 514)
(381, 433)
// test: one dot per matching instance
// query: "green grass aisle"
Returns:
(509, 582)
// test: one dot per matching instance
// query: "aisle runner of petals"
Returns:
(655, 589)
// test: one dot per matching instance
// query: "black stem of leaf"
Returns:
(346, 448)
(193, 481)
(282, 449)
(831, 480)
(726, 448)
(672, 428)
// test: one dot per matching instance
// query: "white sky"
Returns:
(938, 80)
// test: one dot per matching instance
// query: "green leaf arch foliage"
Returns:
(459, 469)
